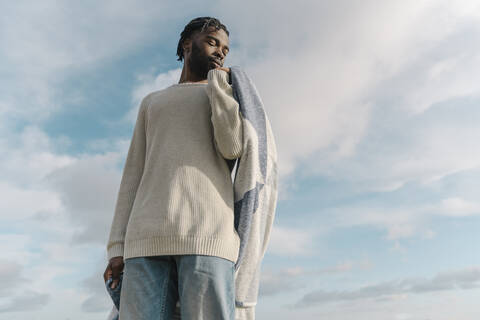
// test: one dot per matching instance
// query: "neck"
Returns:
(188, 76)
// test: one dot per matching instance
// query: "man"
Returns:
(172, 233)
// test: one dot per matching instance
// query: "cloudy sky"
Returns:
(375, 109)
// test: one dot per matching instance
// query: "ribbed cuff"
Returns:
(219, 74)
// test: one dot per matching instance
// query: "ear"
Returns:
(187, 45)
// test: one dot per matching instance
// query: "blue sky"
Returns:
(374, 106)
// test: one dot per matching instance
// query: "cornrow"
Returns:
(198, 24)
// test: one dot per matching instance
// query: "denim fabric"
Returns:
(115, 293)
(152, 288)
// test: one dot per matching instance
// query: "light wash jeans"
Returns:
(199, 287)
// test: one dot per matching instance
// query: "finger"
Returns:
(223, 68)
(107, 274)
(114, 284)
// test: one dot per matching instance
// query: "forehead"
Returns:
(217, 34)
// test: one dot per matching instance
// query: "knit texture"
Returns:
(176, 192)
(255, 191)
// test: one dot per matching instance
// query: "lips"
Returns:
(216, 62)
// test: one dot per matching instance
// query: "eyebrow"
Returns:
(212, 37)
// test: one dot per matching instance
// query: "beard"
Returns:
(199, 63)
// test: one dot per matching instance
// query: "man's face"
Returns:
(206, 48)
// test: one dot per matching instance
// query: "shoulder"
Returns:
(151, 97)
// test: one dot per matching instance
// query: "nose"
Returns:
(219, 53)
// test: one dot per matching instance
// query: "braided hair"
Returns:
(198, 24)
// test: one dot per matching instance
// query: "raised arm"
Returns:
(132, 174)
(226, 117)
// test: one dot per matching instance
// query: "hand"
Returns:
(227, 70)
(224, 69)
(113, 270)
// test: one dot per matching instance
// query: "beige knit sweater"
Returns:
(176, 192)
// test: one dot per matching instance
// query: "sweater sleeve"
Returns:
(226, 117)
(132, 174)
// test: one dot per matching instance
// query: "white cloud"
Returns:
(14, 248)
(399, 221)
(10, 276)
(464, 279)
(29, 300)
(147, 83)
(51, 202)
(328, 76)
(289, 279)
(42, 44)
(79, 186)
(331, 78)
(28, 156)
(456, 206)
(285, 241)
(16, 293)
(14, 207)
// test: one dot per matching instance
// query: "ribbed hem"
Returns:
(115, 251)
(174, 245)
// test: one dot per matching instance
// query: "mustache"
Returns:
(216, 60)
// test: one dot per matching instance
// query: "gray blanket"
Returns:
(255, 188)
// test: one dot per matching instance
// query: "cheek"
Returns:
(208, 52)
